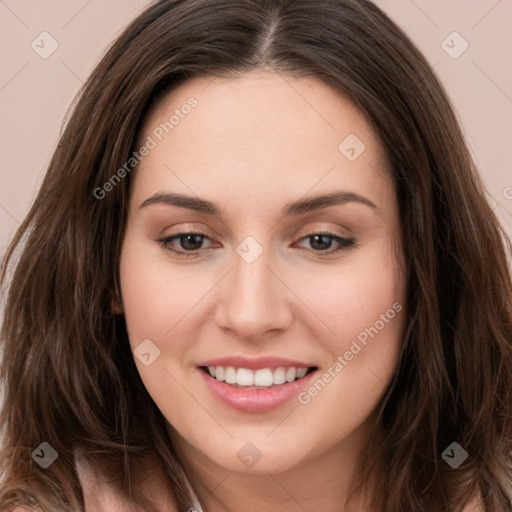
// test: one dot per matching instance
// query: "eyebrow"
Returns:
(184, 201)
(323, 201)
(299, 207)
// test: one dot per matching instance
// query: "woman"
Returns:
(261, 274)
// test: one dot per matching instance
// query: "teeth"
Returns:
(279, 376)
(263, 378)
(230, 375)
(291, 373)
(301, 372)
(244, 377)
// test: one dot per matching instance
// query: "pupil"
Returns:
(191, 242)
(320, 242)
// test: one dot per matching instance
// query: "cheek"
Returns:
(154, 299)
(362, 294)
(363, 305)
(158, 305)
(362, 298)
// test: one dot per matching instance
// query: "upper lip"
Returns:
(256, 363)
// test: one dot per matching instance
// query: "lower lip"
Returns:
(255, 400)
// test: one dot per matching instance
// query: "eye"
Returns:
(190, 244)
(184, 244)
(328, 242)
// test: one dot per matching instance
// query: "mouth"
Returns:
(263, 378)
(255, 386)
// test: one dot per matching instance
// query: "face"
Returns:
(261, 270)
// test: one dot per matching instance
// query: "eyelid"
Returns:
(177, 230)
(323, 231)
(184, 232)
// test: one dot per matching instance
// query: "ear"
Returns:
(116, 308)
(116, 305)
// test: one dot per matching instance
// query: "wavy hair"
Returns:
(67, 370)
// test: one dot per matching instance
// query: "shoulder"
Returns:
(101, 495)
(98, 493)
(474, 505)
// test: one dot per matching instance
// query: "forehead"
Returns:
(257, 134)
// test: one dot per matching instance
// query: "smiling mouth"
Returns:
(263, 378)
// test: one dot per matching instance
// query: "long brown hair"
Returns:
(67, 371)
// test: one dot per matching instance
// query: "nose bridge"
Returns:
(251, 282)
(253, 301)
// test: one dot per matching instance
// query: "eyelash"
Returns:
(344, 243)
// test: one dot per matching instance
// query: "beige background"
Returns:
(35, 92)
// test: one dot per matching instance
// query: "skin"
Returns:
(252, 144)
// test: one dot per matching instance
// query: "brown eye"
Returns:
(320, 242)
(328, 242)
(191, 242)
(185, 244)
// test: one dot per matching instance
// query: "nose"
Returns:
(253, 300)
